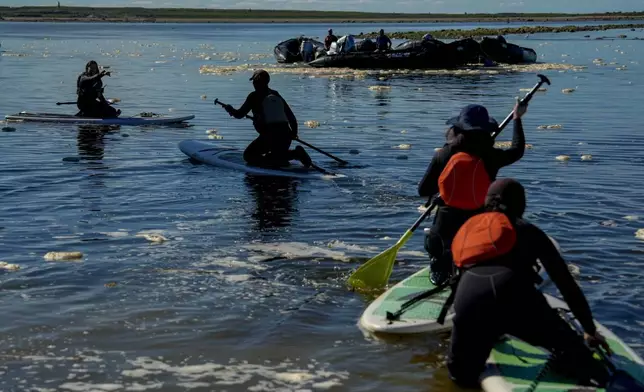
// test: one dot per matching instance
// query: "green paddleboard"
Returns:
(513, 364)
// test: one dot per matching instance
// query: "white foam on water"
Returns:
(83, 387)
(144, 387)
(281, 377)
(115, 234)
(291, 250)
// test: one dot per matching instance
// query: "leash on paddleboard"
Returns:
(375, 272)
(341, 161)
(618, 379)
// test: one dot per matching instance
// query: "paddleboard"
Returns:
(506, 372)
(71, 119)
(419, 318)
(233, 158)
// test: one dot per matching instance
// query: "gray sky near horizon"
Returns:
(412, 6)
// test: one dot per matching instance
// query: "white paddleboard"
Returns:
(513, 365)
(421, 317)
(71, 119)
(232, 158)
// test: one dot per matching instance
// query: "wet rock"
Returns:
(71, 159)
(8, 129)
(639, 234)
(8, 267)
(312, 123)
(63, 256)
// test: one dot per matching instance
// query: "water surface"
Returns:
(247, 292)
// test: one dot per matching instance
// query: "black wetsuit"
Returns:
(271, 148)
(329, 40)
(499, 297)
(90, 101)
(448, 219)
(383, 42)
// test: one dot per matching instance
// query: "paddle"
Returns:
(374, 274)
(318, 168)
(619, 379)
(341, 161)
(111, 101)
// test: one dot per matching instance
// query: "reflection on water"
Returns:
(267, 258)
(91, 141)
(274, 201)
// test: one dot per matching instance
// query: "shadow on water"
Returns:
(274, 201)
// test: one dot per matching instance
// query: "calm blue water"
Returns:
(247, 292)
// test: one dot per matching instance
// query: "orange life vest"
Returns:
(483, 237)
(464, 182)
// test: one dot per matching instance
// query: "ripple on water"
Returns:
(247, 291)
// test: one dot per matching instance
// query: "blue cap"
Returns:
(474, 118)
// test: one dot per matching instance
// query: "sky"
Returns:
(411, 6)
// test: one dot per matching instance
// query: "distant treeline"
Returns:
(48, 12)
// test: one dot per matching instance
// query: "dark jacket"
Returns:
(254, 103)
(89, 87)
(448, 219)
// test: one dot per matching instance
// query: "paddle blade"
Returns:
(374, 274)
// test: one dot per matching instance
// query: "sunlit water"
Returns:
(247, 292)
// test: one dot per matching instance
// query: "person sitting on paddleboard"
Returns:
(89, 88)
(461, 173)
(496, 252)
(330, 39)
(274, 121)
(382, 41)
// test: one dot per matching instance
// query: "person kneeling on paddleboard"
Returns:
(461, 173)
(89, 88)
(496, 253)
(274, 121)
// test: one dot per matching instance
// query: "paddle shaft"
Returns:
(342, 161)
(74, 103)
(574, 324)
(525, 100)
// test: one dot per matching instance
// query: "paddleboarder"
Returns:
(89, 88)
(496, 252)
(274, 121)
(461, 173)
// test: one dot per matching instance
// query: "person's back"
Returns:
(460, 174)
(330, 38)
(382, 41)
(307, 50)
(496, 252)
(269, 110)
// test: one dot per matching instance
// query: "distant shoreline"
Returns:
(189, 15)
(317, 20)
